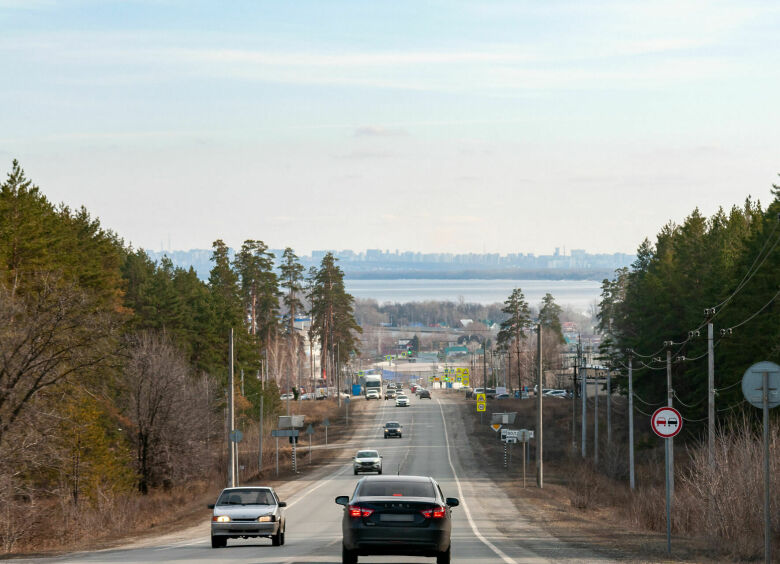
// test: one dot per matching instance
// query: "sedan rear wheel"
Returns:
(444, 557)
(348, 556)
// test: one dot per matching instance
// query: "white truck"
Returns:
(372, 383)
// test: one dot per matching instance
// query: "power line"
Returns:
(647, 402)
(746, 278)
(763, 307)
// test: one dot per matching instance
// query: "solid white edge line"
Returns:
(500, 553)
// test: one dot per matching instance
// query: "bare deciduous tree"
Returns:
(52, 332)
(169, 410)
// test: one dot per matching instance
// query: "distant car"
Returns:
(393, 429)
(247, 512)
(367, 461)
(424, 394)
(490, 393)
(414, 388)
(396, 515)
(401, 401)
(562, 394)
(390, 394)
(391, 386)
(287, 396)
(502, 396)
(372, 394)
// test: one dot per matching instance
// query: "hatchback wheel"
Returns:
(444, 557)
(348, 556)
(276, 540)
(218, 542)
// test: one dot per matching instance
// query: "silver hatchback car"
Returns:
(247, 512)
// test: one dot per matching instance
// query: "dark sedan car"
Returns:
(398, 515)
(424, 394)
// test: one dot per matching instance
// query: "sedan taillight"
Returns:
(357, 511)
(434, 513)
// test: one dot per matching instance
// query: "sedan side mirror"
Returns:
(210, 506)
(453, 502)
(342, 500)
(282, 504)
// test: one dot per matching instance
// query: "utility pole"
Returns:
(260, 455)
(539, 420)
(631, 421)
(231, 420)
(596, 418)
(669, 401)
(609, 406)
(484, 367)
(584, 393)
(574, 405)
(710, 393)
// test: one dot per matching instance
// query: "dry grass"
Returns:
(50, 525)
(717, 511)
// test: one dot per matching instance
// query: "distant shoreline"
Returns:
(503, 274)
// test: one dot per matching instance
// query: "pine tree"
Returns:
(332, 312)
(513, 329)
(550, 316)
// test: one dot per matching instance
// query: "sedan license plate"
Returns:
(397, 517)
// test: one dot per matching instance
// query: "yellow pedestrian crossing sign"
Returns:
(480, 398)
(480, 406)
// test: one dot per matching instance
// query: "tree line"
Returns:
(724, 269)
(113, 368)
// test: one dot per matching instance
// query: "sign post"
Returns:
(666, 423)
(326, 424)
(761, 388)
(310, 432)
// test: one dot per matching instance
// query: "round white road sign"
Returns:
(666, 422)
(753, 384)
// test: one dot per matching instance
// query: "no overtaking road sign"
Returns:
(666, 422)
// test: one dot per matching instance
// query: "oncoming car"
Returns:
(396, 515)
(247, 512)
(401, 401)
(393, 429)
(367, 461)
(372, 394)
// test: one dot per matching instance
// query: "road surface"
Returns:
(487, 526)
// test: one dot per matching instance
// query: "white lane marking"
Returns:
(500, 553)
(318, 486)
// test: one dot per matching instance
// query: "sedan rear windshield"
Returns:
(396, 489)
(247, 497)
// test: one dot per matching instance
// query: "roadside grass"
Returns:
(717, 511)
(109, 520)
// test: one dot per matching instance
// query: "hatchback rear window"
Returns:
(396, 489)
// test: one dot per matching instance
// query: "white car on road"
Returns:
(401, 401)
(373, 394)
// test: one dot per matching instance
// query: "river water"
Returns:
(578, 294)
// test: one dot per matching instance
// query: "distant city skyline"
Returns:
(383, 263)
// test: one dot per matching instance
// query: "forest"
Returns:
(114, 368)
(723, 270)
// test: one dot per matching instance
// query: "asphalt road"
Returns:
(487, 527)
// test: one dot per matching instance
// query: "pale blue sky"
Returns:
(425, 126)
